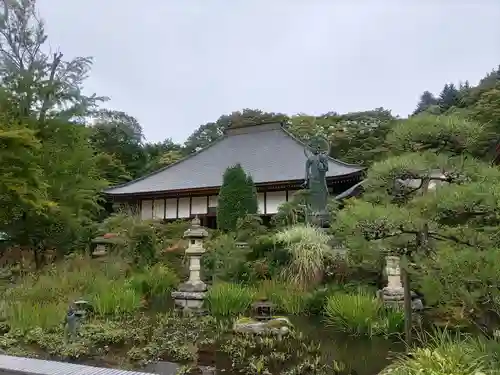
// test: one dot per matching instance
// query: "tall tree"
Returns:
(22, 186)
(162, 154)
(43, 98)
(237, 198)
(449, 97)
(212, 131)
(119, 135)
(40, 84)
(427, 100)
(356, 137)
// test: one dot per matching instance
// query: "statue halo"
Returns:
(314, 142)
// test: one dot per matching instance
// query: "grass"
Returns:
(444, 353)
(40, 300)
(286, 299)
(361, 314)
(227, 299)
(308, 247)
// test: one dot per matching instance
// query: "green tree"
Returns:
(119, 135)
(74, 183)
(430, 195)
(237, 198)
(22, 186)
(162, 154)
(44, 107)
(212, 131)
(449, 97)
(41, 85)
(427, 100)
(357, 137)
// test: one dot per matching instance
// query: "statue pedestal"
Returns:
(319, 219)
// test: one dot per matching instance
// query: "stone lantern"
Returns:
(190, 294)
(393, 293)
(263, 309)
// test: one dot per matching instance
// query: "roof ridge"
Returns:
(224, 136)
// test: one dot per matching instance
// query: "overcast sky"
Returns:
(176, 64)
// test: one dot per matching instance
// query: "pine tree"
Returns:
(449, 97)
(237, 198)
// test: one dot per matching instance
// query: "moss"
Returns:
(245, 320)
(278, 323)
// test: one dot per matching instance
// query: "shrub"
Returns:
(237, 198)
(173, 230)
(292, 212)
(266, 257)
(308, 247)
(141, 241)
(224, 261)
(143, 244)
(249, 227)
(361, 314)
(226, 299)
(317, 300)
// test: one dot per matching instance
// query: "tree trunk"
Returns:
(37, 257)
(422, 241)
(407, 304)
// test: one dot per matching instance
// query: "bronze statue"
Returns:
(315, 181)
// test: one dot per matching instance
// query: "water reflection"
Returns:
(365, 356)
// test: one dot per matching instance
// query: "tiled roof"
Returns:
(28, 366)
(267, 152)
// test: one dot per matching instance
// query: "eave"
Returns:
(213, 190)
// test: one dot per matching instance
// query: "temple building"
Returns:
(272, 156)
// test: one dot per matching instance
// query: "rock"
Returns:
(417, 305)
(284, 330)
(278, 326)
(5, 274)
(207, 370)
(164, 368)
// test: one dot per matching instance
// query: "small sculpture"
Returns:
(71, 322)
(315, 180)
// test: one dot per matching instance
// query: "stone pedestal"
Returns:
(393, 293)
(191, 294)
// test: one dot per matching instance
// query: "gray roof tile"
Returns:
(268, 154)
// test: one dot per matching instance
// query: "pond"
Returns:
(171, 337)
(361, 355)
(366, 356)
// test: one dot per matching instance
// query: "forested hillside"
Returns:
(60, 148)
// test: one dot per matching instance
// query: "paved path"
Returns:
(28, 366)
